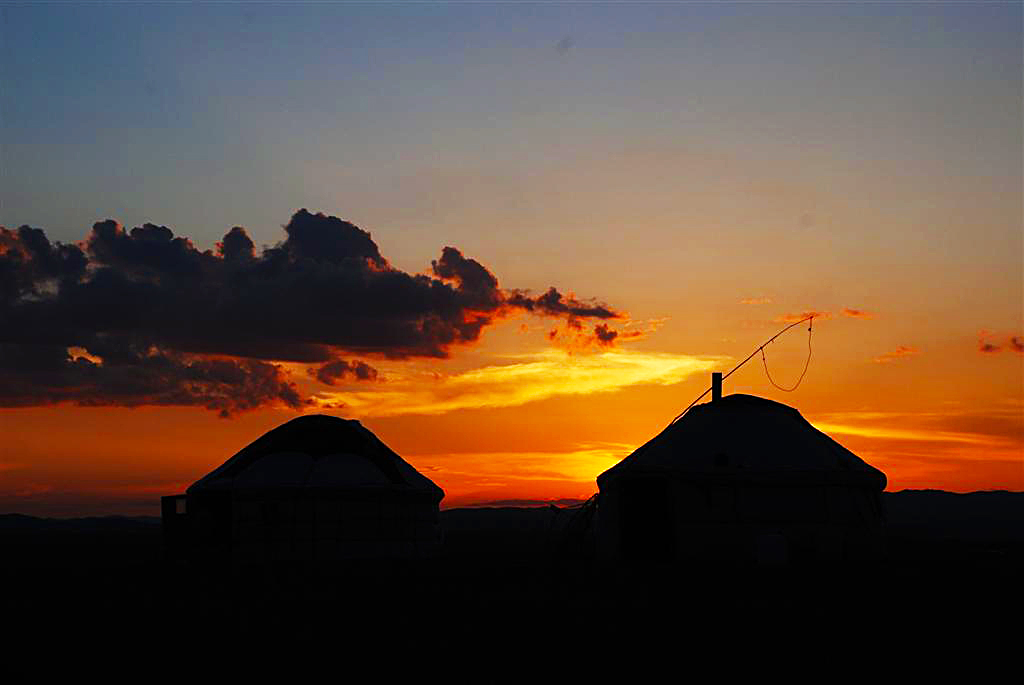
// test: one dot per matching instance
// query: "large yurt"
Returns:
(317, 488)
(740, 479)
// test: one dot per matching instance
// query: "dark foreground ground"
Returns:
(954, 567)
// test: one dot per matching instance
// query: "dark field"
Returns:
(954, 563)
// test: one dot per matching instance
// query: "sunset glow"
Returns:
(513, 241)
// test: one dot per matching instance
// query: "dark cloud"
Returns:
(29, 263)
(330, 239)
(1017, 344)
(605, 336)
(553, 303)
(33, 375)
(472, 278)
(334, 371)
(236, 245)
(146, 299)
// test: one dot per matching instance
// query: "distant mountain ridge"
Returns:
(990, 515)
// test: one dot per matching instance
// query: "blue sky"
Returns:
(203, 117)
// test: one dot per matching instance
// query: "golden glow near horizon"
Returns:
(537, 376)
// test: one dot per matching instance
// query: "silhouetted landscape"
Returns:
(401, 317)
(948, 557)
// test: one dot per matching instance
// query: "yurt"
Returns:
(317, 488)
(740, 479)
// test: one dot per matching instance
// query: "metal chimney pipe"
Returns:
(716, 386)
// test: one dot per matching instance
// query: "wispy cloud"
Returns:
(756, 300)
(991, 428)
(793, 318)
(857, 313)
(1014, 343)
(541, 376)
(959, 450)
(574, 338)
(986, 346)
(901, 352)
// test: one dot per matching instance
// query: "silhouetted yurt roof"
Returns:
(747, 437)
(317, 451)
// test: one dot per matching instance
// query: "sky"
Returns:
(410, 181)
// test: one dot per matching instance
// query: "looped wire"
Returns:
(771, 380)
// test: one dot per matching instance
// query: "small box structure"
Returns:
(317, 488)
(741, 479)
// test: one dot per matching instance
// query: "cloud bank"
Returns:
(158, 321)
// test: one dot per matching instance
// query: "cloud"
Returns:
(544, 375)
(793, 318)
(984, 345)
(162, 322)
(32, 375)
(857, 313)
(900, 352)
(756, 300)
(1014, 343)
(574, 338)
(995, 427)
(331, 372)
(553, 303)
(959, 450)
(605, 336)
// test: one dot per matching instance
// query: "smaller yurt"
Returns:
(740, 479)
(317, 488)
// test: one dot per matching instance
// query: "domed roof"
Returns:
(317, 451)
(746, 437)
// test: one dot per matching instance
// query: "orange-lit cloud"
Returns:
(574, 338)
(537, 377)
(1014, 343)
(985, 346)
(901, 352)
(756, 300)
(793, 318)
(1001, 425)
(957, 449)
(857, 313)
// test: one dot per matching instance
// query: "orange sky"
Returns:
(542, 425)
(707, 170)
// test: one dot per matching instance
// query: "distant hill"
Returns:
(990, 516)
(928, 515)
(22, 522)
